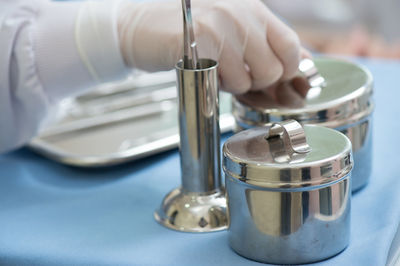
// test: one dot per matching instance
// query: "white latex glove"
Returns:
(253, 47)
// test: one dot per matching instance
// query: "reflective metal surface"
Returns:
(342, 101)
(251, 158)
(140, 114)
(292, 132)
(289, 227)
(199, 205)
(288, 211)
(190, 55)
(308, 68)
(345, 99)
(193, 212)
(360, 135)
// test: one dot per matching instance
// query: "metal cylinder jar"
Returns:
(288, 192)
(340, 97)
(198, 205)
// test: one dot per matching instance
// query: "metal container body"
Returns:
(288, 192)
(345, 104)
(199, 205)
(360, 135)
(199, 127)
(288, 227)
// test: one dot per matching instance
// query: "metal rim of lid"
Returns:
(335, 113)
(289, 175)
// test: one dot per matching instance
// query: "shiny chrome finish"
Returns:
(308, 68)
(293, 134)
(139, 113)
(289, 211)
(272, 163)
(199, 205)
(193, 212)
(360, 135)
(190, 56)
(343, 101)
(288, 227)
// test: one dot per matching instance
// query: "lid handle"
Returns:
(292, 133)
(310, 71)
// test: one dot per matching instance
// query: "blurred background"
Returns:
(345, 27)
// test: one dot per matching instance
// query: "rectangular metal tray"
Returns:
(118, 123)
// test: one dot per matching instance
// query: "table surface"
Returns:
(52, 214)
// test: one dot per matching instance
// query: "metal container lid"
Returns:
(343, 97)
(279, 156)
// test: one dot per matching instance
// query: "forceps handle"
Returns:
(190, 55)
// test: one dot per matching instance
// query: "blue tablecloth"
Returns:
(52, 214)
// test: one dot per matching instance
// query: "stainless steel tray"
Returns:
(117, 123)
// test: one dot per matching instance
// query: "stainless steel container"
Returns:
(199, 205)
(344, 102)
(288, 198)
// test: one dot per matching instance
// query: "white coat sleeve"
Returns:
(50, 50)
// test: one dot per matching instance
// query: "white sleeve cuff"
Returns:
(77, 47)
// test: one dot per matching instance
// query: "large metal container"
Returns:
(343, 102)
(288, 198)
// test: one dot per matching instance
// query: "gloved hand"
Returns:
(253, 47)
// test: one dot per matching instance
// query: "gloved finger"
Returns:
(265, 67)
(234, 76)
(245, 34)
(304, 53)
(285, 43)
(220, 32)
